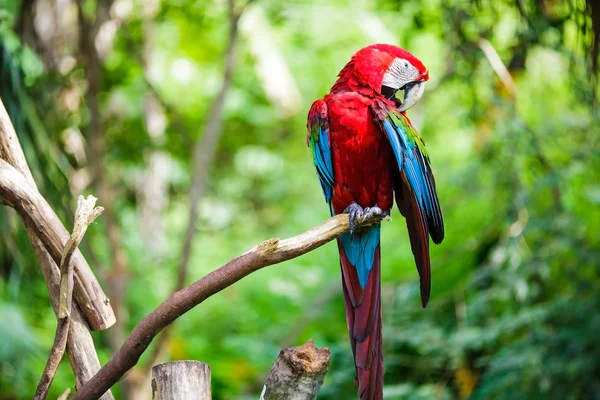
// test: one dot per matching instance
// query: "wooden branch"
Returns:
(203, 155)
(41, 219)
(10, 149)
(504, 74)
(297, 373)
(181, 380)
(205, 148)
(65, 394)
(80, 345)
(498, 67)
(117, 276)
(272, 251)
(85, 214)
(48, 228)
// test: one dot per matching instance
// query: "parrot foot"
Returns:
(358, 215)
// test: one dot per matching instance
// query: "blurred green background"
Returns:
(515, 301)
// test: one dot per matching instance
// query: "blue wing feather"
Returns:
(405, 158)
(409, 151)
(319, 141)
(414, 187)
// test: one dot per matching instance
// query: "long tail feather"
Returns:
(418, 233)
(363, 315)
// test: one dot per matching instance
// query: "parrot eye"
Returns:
(405, 64)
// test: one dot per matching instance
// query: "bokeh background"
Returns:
(111, 97)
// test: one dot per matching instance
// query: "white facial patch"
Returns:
(400, 73)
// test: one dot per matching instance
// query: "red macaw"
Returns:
(365, 150)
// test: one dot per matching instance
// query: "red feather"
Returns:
(363, 315)
(361, 161)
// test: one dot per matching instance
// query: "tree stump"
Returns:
(297, 374)
(181, 380)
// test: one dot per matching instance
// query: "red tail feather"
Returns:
(363, 315)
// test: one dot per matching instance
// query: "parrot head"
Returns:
(384, 69)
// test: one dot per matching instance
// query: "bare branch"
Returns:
(65, 394)
(498, 66)
(118, 274)
(85, 214)
(272, 251)
(297, 373)
(205, 148)
(10, 149)
(203, 155)
(80, 345)
(504, 74)
(37, 214)
(49, 229)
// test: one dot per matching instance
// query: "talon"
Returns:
(358, 215)
(373, 211)
(355, 215)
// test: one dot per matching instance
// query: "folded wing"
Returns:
(416, 196)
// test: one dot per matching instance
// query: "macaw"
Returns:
(365, 151)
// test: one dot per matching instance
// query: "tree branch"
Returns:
(85, 214)
(498, 66)
(504, 74)
(272, 251)
(117, 276)
(203, 155)
(37, 214)
(80, 345)
(49, 229)
(205, 148)
(65, 394)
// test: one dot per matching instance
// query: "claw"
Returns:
(371, 211)
(358, 215)
(355, 215)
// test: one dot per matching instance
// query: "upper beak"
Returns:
(412, 94)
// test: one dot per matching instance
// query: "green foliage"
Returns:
(516, 288)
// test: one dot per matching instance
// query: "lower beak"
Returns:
(412, 94)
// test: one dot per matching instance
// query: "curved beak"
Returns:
(412, 94)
